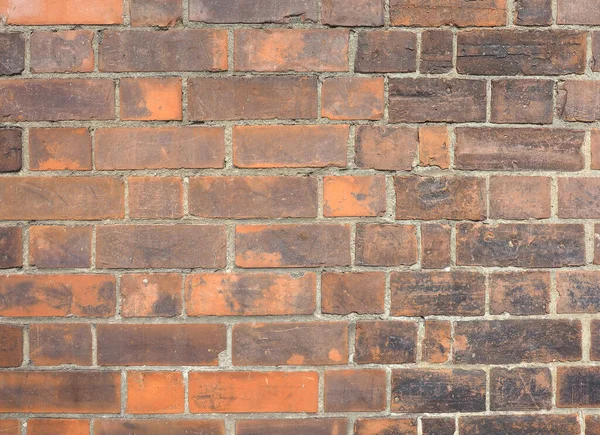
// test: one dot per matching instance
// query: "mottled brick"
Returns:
(578, 291)
(60, 247)
(349, 98)
(10, 150)
(322, 426)
(11, 346)
(578, 387)
(520, 197)
(60, 149)
(56, 344)
(150, 99)
(386, 245)
(354, 390)
(345, 293)
(533, 12)
(436, 342)
(12, 51)
(519, 424)
(383, 51)
(155, 197)
(354, 195)
(520, 293)
(151, 295)
(11, 247)
(576, 100)
(385, 342)
(253, 11)
(460, 13)
(434, 147)
(437, 48)
(352, 12)
(380, 426)
(524, 101)
(520, 389)
(386, 148)
(164, 13)
(438, 426)
(435, 246)
(59, 52)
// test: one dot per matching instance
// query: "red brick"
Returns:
(55, 392)
(291, 146)
(578, 387)
(577, 12)
(53, 426)
(150, 99)
(437, 341)
(250, 294)
(60, 247)
(435, 246)
(578, 198)
(312, 245)
(355, 390)
(151, 295)
(163, 427)
(386, 245)
(11, 346)
(10, 427)
(160, 246)
(595, 139)
(171, 50)
(437, 47)
(533, 12)
(592, 424)
(576, 100)
(353, 12)
(520, 293)
(386, 51)
(521, 389)
(255, 11)
(164, 13)
(386, 148)
(160, 148)
(291, 427)
(12, 50)
(10, 150)
(448, 13)
(522, 101)
(519, 197)
(380, 426)
(155, 392)
(578, 291)
(60, 149)
(298, 343)
(235, 392)
(22, 12)
(253, 197)
(160, 344)
(345, 293)
(595, 51)
(57, 99)
(349, 98)
(56, 344)
(434, 147)
(291, 50)
(519, 424)
(57, 295)
(596, 244)
(65, 51)
(385, 342)
(11, 247)
(151, 197)
(354, 196)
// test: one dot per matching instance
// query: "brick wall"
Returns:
(303, 217)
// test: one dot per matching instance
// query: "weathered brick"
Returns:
(53, 426)
(436, 343)
(10, 427)
(250, 294)
(10, 150)
(437, 100)
(21, 12)
(520, 293)
(578, 291)
(54, 392)
(386, 148)
(12, 51)
(525, 52)
(514, 149)
(434, 198)
(578, 12)
(349, 98)
(11, 346)
(435, 246)
(516, 341)
(289, 245)
(151, 295)
(155, 197)
(576, 101)
(428, 390)
(264, 97)
(253, 197)
(578, 198)
(291, 50)
(160, 344)
(171, 50)
(519, 424)
(455, 293)
(57, 295)
(386, 342)
(354, 195)
(533, 12)
(520, 197)
(592, 424)
(292, 146)
(65, 51)
(595, 340)
(56, 344)
(380, 426)
(160, 246)
(298, 343)
(524, 101)
(60, 149)
(11, 247)
(383, 51)
(253, 11)
(520, 245)
(595, 51)
(434, 147)
(352, 12)
(163, 427)
(578, 387)
(596, 244)
(460, 13)
(354, 390)
(60, 247)
(345, 293)
(520, 389)
(57, 99)
(150, 99)
(386, 245)
(437, 48)
(438, 426)
(155, 393)
(291, 427)
(164, 13)
(235, 392)
(159, 148)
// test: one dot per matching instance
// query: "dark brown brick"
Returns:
(435, 246)
(514, 149)
(516, 341)
(264, 97)
(253, 11)
(345, 293)
(383, 426)
(455, 293)
(11, 247)
(520, 197)
(291, 427)
(578, 387)
(160, 246)
(11, 346)
(162, 13)
(519, 424)
(520, 293)
(162, 345)
(354, 390)
(12, 52)
(10, 150)
(526, 52)
(386, 51)
(56, 344)
(386, 148)
(155, 197)
(436, 343)
(386, 245)
(520, 389)
(60, 247)
(595, 340)
(578, 198)
(533, 12)
(299, 343)
(520, 245)
(386, 342)
(436, 100)
(171, 50)
(163, 427)
(438, 426)
(578, 291)
(437, 47)
(66, 51)
(352, 12)
(576, 100)
(434, 198)
(524, 101)
(58, 149)
(438, 13)
(596, 244)
(427, 390)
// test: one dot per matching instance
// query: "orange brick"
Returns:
(354, 196)
(42, 12)
(155, 392)
(151, 295)
(434, 147)
(349, 98)
(52, 426)
(59, 149)
(151, 99)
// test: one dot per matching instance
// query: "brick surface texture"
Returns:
(299, 217)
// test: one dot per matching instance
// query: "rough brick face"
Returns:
(58, 149)
(12, 49)
(68, 51)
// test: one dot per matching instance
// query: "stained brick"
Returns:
(354, 196)
(59, 149)
(386, 245)
(519, 424)
(354, 390)
(378, 426)
(164, 13)
(10, 150)
(389, 342)
(520, 197)
(436, 343)
(522, 101)
(11, 247)
(578, 387)
(353, 12)
(54, 426)
(520, 293)
(12, 50)
(349, 98)
(458, 13)
(576, 100)
(437, 48)
(56, 344)
(164, 427)
(66, 51)
(150, 99)
(11, 346)
(253, 11)
(434, 147)
(435, 246)
(386, 148)
(151, 295)
(320, 426)
(155, 197)
(578, 291)
(383, 51)
(533, 12)
(438, 426)
(578, 198)
(60, 247)
(520, 389)
(345, 293)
